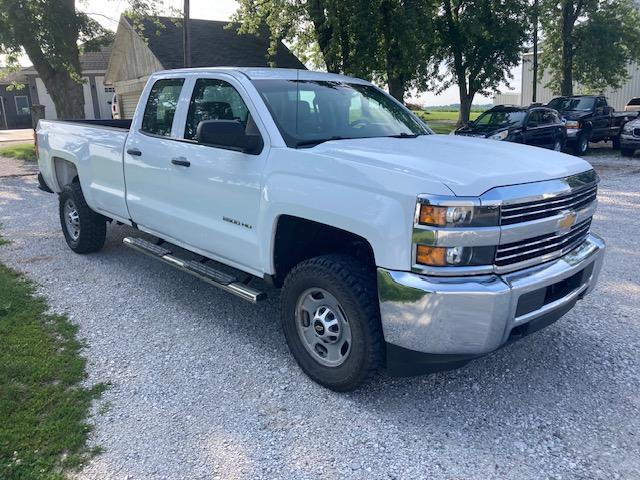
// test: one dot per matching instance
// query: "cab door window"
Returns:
(161, 106)
(214, 99)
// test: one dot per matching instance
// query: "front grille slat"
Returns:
(525, 213)
(560, 199)
(526, 244)
(543, 246)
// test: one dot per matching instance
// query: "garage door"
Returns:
(128, 103)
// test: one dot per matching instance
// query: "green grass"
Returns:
(43, 407)
(442, 122)
(21, 151)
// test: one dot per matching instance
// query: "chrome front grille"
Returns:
(525, 212)
(542, 248)
(636, 132)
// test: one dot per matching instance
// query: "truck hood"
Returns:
(467, 166)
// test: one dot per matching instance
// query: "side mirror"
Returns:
(229, 134)
(608, 110)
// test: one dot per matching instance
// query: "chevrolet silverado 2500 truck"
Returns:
(393, 247)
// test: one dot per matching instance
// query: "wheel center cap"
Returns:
(326, 325)
(318, 327)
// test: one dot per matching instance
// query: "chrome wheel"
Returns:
(72, 219)
(323, 327)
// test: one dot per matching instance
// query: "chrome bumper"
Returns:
(477, 314)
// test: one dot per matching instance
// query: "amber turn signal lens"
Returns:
(430, 215)
(436, 256)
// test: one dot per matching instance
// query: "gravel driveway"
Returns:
(203, 385)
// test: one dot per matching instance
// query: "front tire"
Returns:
(84, 230)
(331, 320)
(582, 144)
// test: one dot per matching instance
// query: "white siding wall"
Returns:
(509, 98)
(50, 112)
(616, 98)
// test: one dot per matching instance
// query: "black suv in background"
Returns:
(537, 126)
(589, 118)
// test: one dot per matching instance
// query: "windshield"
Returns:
(311, 112)
(500, 118)
(583, 104)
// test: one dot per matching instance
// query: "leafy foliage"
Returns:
(479, 42)
(49, 32)
(589, 42)
(387, 40)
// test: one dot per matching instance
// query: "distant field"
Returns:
(453, 116)
(443, 122)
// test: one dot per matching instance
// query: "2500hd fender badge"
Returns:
(237, 222)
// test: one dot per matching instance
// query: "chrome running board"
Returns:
(210, 275)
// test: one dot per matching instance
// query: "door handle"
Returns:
(181, 161)
(134, 151)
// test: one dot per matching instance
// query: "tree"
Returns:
(387, 40)
(479, 42)
(590, 42)
(49, 31)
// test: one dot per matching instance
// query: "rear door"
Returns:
(534, 133)
(148, 152)
(601, 120)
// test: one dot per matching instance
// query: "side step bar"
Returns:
(210, 275)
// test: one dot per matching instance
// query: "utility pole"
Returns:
(535, 51)
(186, 36)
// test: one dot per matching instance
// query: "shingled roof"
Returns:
(213, 44)
(89, 61)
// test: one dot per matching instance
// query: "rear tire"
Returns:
(627, 152)
(331, 320)
(84, 230)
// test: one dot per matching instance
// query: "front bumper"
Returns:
(446, 321)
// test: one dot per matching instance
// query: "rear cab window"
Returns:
(161, 107)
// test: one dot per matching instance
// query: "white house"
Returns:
(96, 95)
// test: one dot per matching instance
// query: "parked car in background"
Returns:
(537, 126)
(630, 138)
(589, 118)
(633, 105)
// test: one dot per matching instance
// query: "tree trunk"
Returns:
(324, 34)
(466, 99)
(67, 96)
(396, 86)
(566, 49)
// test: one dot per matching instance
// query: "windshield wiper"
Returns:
(318, 141)
(404, 135)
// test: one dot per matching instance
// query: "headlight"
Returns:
(500, 135)
(627, 128)
(454, 256)
(572, 124)
(457, 216)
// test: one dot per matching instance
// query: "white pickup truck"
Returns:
(395, 248)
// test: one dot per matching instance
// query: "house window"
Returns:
(109, 89)
(22, 105)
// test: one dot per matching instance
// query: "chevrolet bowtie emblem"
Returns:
(567, 221)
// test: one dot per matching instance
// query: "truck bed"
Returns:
(95, 148)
